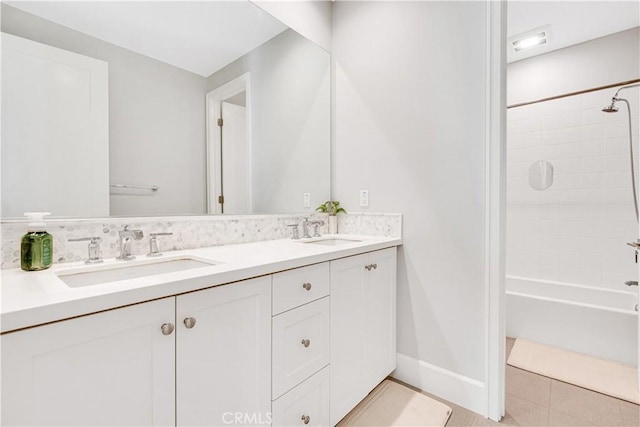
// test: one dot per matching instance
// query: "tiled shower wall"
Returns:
(576, 231)
(189, 232)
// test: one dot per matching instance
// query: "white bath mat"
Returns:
(610, 378)
(392, 404)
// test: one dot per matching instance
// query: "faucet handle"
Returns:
(94, 248)
(154, 247)
(294, 231)
(317, 224)
(86, 239)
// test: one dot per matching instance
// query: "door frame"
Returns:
(213, 164)
(495, 210)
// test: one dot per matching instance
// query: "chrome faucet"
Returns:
(305, 228)
(126, 237)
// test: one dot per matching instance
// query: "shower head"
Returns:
(612, 107)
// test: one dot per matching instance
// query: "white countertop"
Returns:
(37, 297)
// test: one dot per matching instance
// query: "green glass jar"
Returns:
(36, 248)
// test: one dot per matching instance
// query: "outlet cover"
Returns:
(307, 200)
(364, 198)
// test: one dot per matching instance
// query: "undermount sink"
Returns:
(333, 241)
(114, 273)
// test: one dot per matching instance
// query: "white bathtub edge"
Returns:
(577, 304)
(570, 285)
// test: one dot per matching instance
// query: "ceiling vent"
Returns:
(530, 39)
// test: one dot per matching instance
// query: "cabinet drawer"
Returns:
(300, 345)
(308, 401)
(296, 287)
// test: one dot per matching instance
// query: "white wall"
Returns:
(156, 120)
(311, 18)
(603, 61)
(410, 127)
(577, 229)
(290, 102)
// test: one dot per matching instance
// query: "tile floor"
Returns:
(534, 400)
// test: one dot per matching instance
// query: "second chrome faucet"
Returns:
(126, 238)
(305, 229)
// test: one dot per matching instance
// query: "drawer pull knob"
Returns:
(306, 419)
(307, 286)
(189, 322)
(306, 342)
(167, 328)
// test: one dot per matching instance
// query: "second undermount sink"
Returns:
(332, 241)
(77, 278)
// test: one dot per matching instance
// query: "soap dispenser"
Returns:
(36, 249)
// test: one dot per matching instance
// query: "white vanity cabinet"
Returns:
(136, 366)
(359, 316)
(363, 327)
(109, 368)
(297, 347)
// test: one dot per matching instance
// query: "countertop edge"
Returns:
(28, 317)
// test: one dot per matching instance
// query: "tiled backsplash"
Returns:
(372, 224)
(188, 232)
(576, 231)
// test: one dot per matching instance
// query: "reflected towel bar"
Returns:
(138, 187)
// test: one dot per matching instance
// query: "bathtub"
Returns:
(595, 321)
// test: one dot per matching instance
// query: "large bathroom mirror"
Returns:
(160, 108)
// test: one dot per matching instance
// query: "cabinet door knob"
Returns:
(307, 286)
(368, 267)
(306, 342)
(167, 328)
(374, 266)
(306, 419)
(189, 322)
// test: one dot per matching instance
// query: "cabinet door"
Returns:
(348, 276)
(224, 360)
(110, 368)
(363, 327)
(380, 317)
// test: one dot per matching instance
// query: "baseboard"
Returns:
(455, 388)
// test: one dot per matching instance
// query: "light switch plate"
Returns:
(307, 200)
